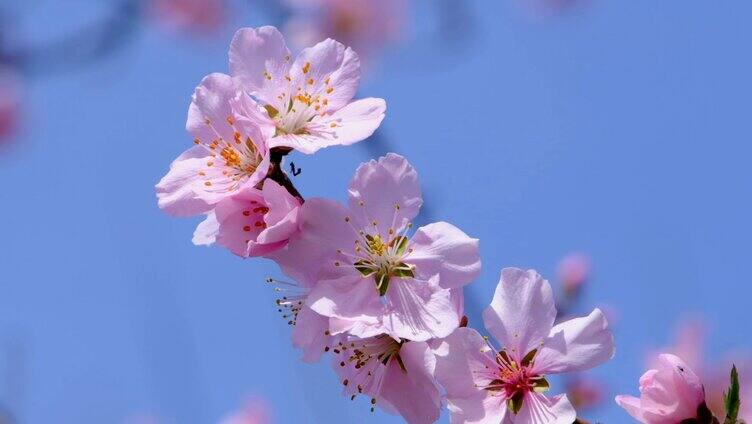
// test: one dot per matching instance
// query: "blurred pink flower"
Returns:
(366, 25)
(573, 271)
(10, 102)
(585, 392)
(397, 376)
(308, 100)
(254, 411)
(189, 15)
(668, 394)
(487, 385)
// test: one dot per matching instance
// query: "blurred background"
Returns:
(603, 143)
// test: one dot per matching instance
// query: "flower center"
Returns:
(515, 379)
(383, 260)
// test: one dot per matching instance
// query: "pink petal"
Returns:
(311, 252)
(444, 250)
(379, 186)
(333, 69)
(282, 218)
(350, 124)
(576, 345)
(633, 407)
(206, 231)
(237, 229)
(538, 409)
(412, 392)
(179, 193)
(462, 360)
(482, 408)
(419, 311)
(351, 298)
(308, 334)
(260, 59)
(522, 312)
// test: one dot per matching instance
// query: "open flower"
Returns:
(486, 385)
(252, 222)
(230, 151)
(668, 394)
(395, 375)
(308, 100)
(189, 15)
(367, 272)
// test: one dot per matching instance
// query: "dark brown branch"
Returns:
(277, 174)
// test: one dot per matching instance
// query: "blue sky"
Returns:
(621, 130)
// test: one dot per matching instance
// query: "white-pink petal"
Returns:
(443, 250)
(522, 311)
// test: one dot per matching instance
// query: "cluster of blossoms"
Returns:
(382, 299)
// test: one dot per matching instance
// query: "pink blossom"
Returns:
(230, 152)
(189, 15)
(365, 25)
(308, 100)
(397, 376)
(255, 411)
(668, 394)
(486, 385)
(10, 99)
(252, 222)
(573, 270)
(366, 273)
(585, 392)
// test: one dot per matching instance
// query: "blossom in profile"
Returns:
(573, 271)
(202, 16)
(230, 152)
(669, 394)
(489, 385)
(254, 411)
(368, 274)
(10, 102)
(308, 100)
(396, 376)
(365, 25)
(253, 222)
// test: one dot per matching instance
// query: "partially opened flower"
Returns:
(308, 100)
(668, 394)
(396, 376)
(368, 273)
(230, 151)
(573, 271)
(252, 222)
(489, 385)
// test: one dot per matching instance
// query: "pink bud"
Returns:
(668, 394)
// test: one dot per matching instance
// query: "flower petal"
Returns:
(419, 310)
(576, 345)
(327, 70)
(387, 192)
(538, 409)
(309, 334)
(462, 363)
(522, 312)
(351, 297)
(444, 250)
(350, 124)
(481, 408)
(282, 218)
(310, 254)
(260, 59)
(412, 391)
(206, 231)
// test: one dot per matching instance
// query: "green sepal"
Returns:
(541, 385)
(528, 359)
(514, 403)
(366, 268)
(382, 283)
(271, 110)
(402, 270)
(731, 398)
